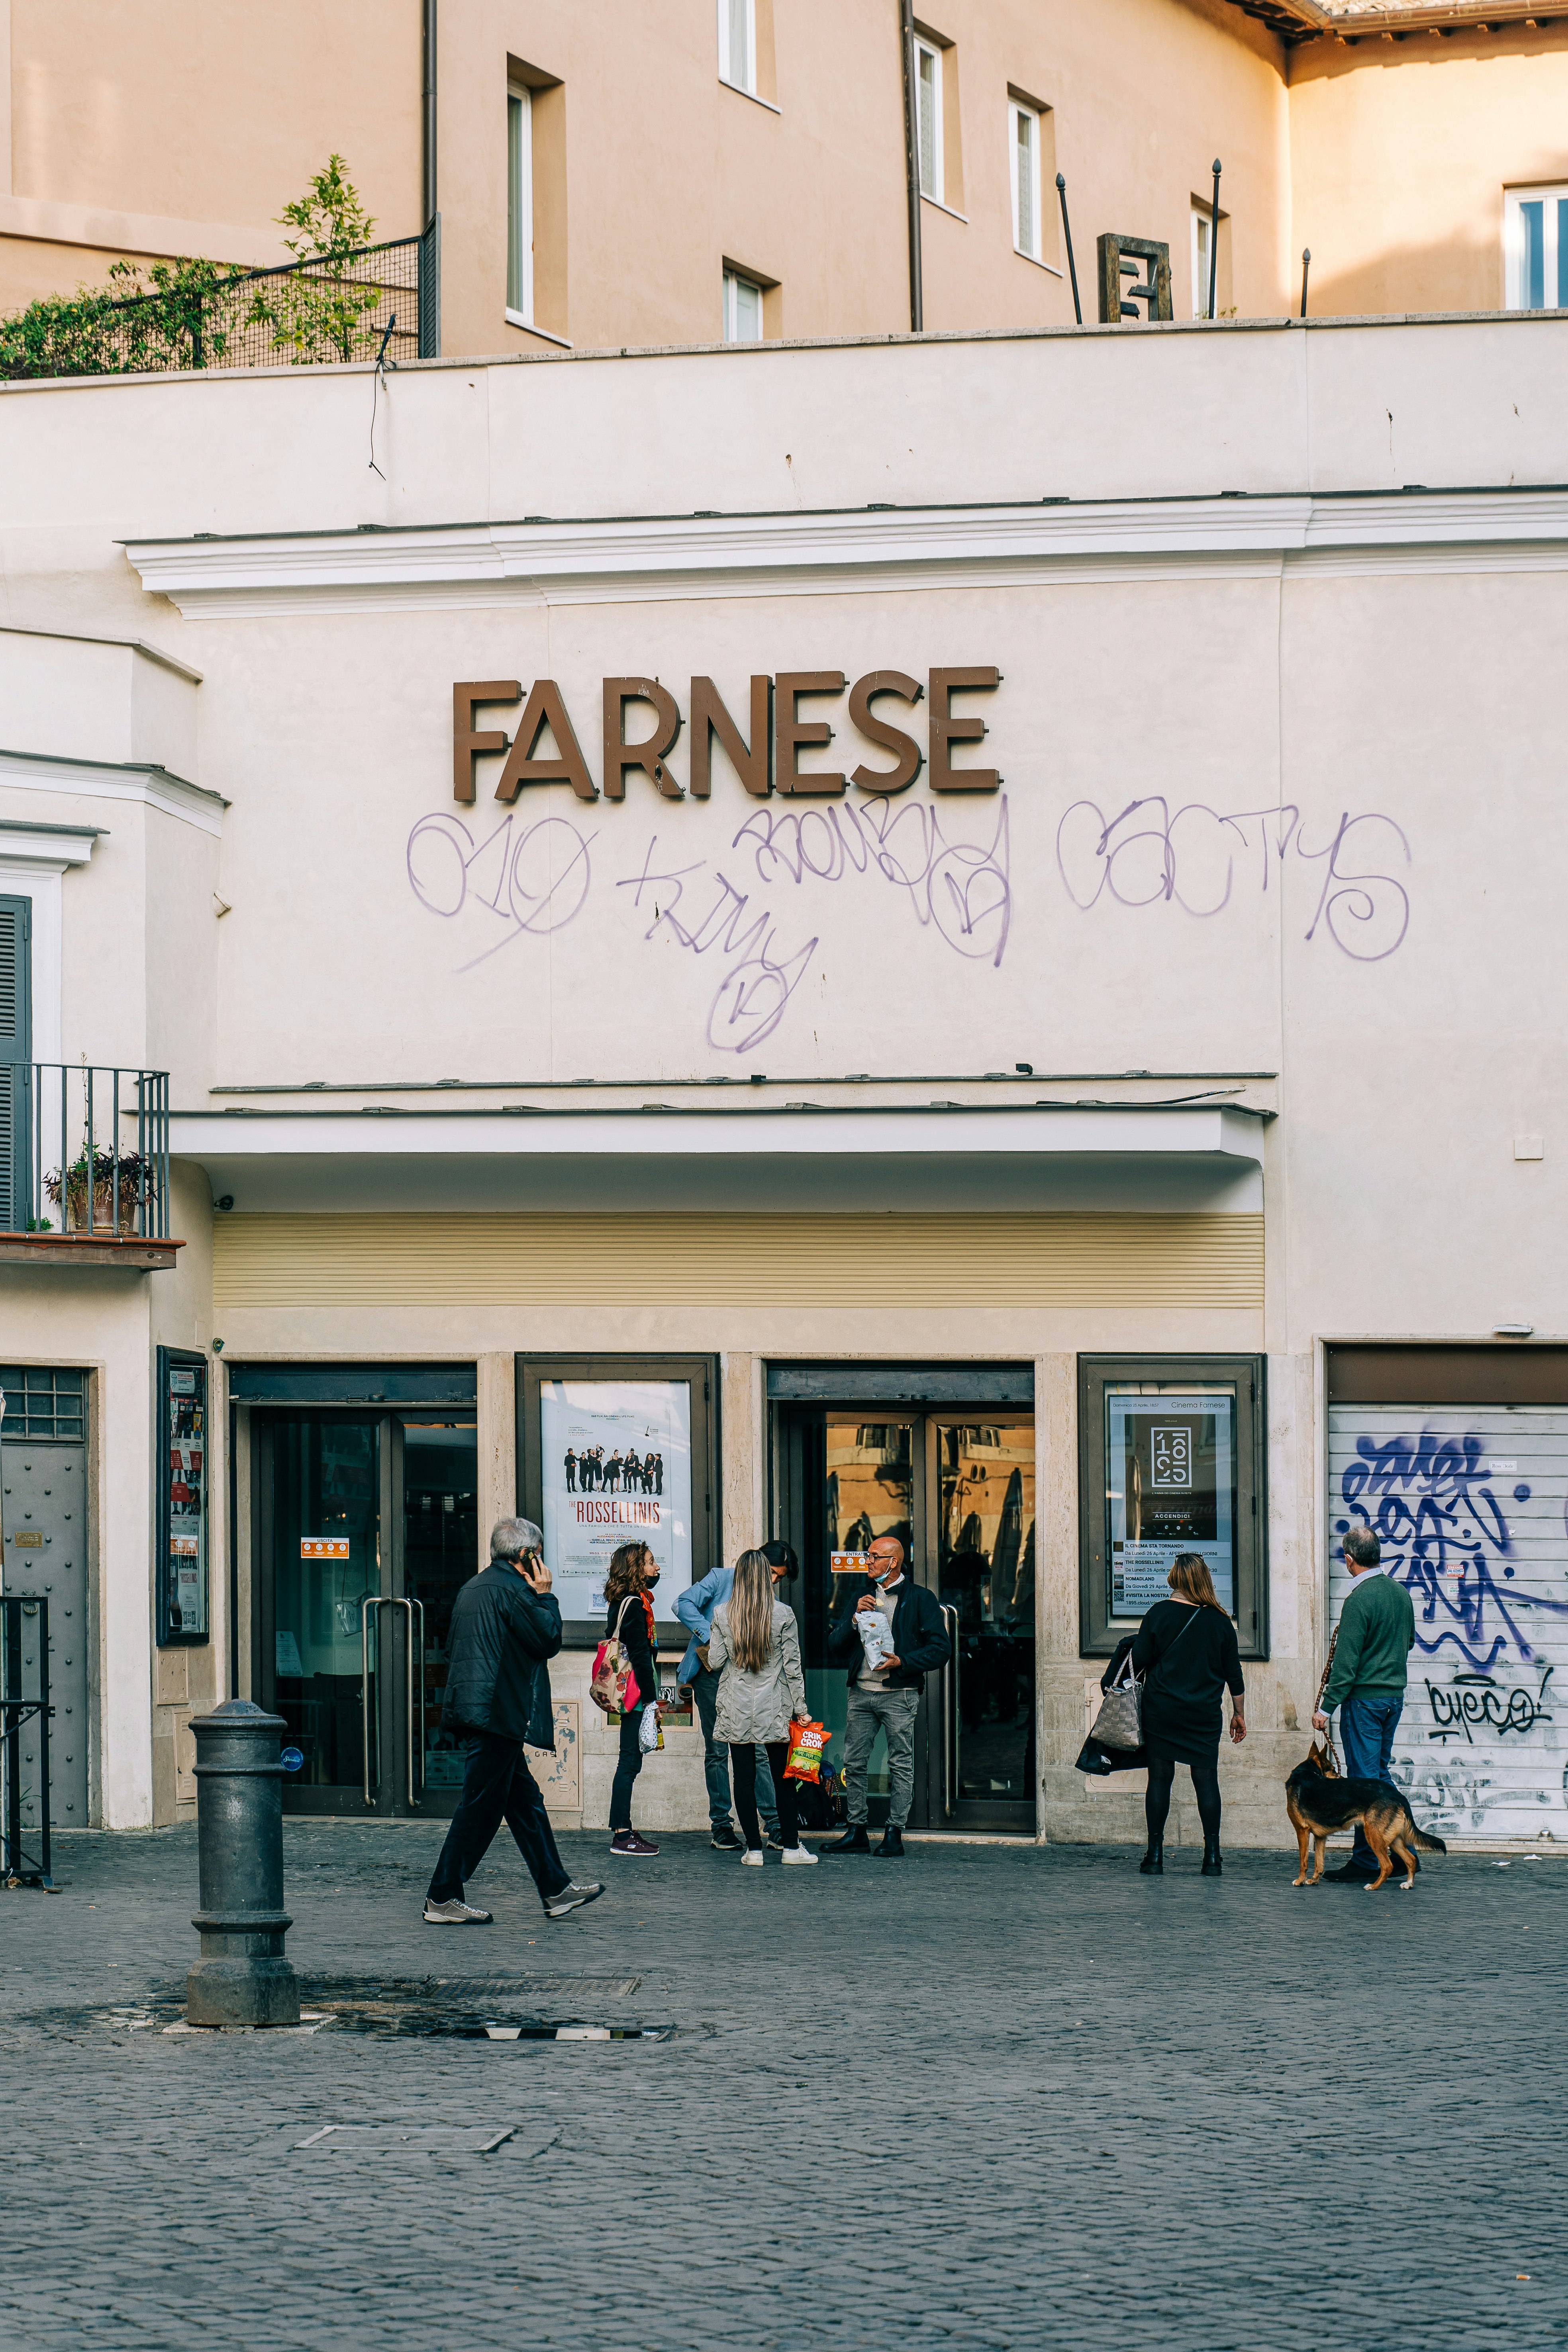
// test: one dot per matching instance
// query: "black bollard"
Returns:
(242, 1977)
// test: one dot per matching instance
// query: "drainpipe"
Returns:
(912, 160)
(427, 111)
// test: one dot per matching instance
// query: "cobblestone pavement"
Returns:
(991, 2096)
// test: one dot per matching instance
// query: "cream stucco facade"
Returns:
(1218, 1031)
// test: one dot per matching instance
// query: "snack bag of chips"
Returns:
(806, 1742)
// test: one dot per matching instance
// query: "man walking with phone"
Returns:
(888, 1697)
(506, 1627)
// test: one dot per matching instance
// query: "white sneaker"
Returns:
(454, 1915)
(754, 1859)
(799, 1853)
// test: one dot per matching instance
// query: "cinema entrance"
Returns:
(363, 1526)
(952, 1474)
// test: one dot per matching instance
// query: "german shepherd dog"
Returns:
(1320, 1800)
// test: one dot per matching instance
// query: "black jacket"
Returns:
(503, 1635)
(920, 1637)
(637, 1646)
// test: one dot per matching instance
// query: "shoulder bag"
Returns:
(1119, 1722)
(612, 1684)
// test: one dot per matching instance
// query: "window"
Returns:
(42, 1402)
(520, 206)
(928, 118)
(737, 44)
(1535, 233)
(1203, 239)
(742, 308)
(1024, 137)
(1171, 1461)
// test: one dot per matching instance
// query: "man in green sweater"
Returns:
(1377, 1632)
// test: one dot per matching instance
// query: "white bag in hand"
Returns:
(647, 1730)
(876, 1631)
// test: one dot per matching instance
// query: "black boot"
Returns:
(854, 1840)
(1210, 1861)
(892, 1842)
(1153, 1860)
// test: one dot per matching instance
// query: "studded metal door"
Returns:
(45, 1552)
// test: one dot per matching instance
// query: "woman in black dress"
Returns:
(1187, 1650)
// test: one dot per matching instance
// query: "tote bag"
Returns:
(613, 1686)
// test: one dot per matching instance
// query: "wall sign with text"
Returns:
(796, 711)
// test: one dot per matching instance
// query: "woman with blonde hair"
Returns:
(1187, 1650)
(629, 1619)
(755, 1645)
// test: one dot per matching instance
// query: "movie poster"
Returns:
(616, 1468)
(1171, 1482)
(184, 1501)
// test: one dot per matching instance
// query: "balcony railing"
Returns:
(84, 1153)
(378, 300)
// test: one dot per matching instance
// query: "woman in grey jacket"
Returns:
(755, 1645)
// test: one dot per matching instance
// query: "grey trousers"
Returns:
(894, 1711)
(716, 1763)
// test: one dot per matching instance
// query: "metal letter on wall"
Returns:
(946, 731)
(751, 763)
(620, 755)
(544, 707)
(791, 733)
(466, 741)
(879, 730)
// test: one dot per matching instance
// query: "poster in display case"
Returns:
(182, 1497)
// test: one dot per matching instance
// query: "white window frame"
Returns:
(928, 50)
(1552, 256)
(520, 206)
(1016, 114)
(734, 282)
(1203, 229)
(740, 73)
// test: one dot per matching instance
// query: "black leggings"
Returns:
(1157, 1796)
(743, 1765)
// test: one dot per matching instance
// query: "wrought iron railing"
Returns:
(84, 1150)
(380, 300)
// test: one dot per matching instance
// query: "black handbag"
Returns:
(1094, 1756)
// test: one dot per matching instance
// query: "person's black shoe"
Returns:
(1153, 1861)
(1348, 1874)
(725, 1840)
(892, 1844)
(1211, 1866)
(854, 1840)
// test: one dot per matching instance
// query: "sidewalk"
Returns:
(988, 2097)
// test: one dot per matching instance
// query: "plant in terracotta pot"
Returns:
(120, 1183)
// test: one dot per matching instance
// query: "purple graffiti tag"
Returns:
(1149, 854)
(962, 890)
(534, 879)
(1444, 1536)
(752, 996)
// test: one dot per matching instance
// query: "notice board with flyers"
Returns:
(181, 1469)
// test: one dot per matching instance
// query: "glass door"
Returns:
(960, 1497)
(366, 1525)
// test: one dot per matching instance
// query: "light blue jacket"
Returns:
(695, 1608)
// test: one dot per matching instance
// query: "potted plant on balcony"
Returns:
(120, 1183)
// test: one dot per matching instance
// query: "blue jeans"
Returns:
(716, 1763)
(1367, 1726)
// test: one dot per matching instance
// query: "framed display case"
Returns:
(182, 1471)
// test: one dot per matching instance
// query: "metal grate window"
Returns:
(43, 1401)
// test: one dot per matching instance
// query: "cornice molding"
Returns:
(158, 788)
(640, 560)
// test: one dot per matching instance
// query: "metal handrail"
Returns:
(950, 1711)
(392, 1601)
(84, 1149)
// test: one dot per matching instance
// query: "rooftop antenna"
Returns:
(1214, 241)
(1305, 265)
(1066, 232)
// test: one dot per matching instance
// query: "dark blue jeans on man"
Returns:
(716, 1763)
(498, 1786)
(1367, 1726)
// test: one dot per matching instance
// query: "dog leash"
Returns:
(1326, 1736)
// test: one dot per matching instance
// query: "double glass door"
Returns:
(959, 1494)
(366, 1525)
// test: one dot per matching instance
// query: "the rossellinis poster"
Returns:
(616, 1463)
